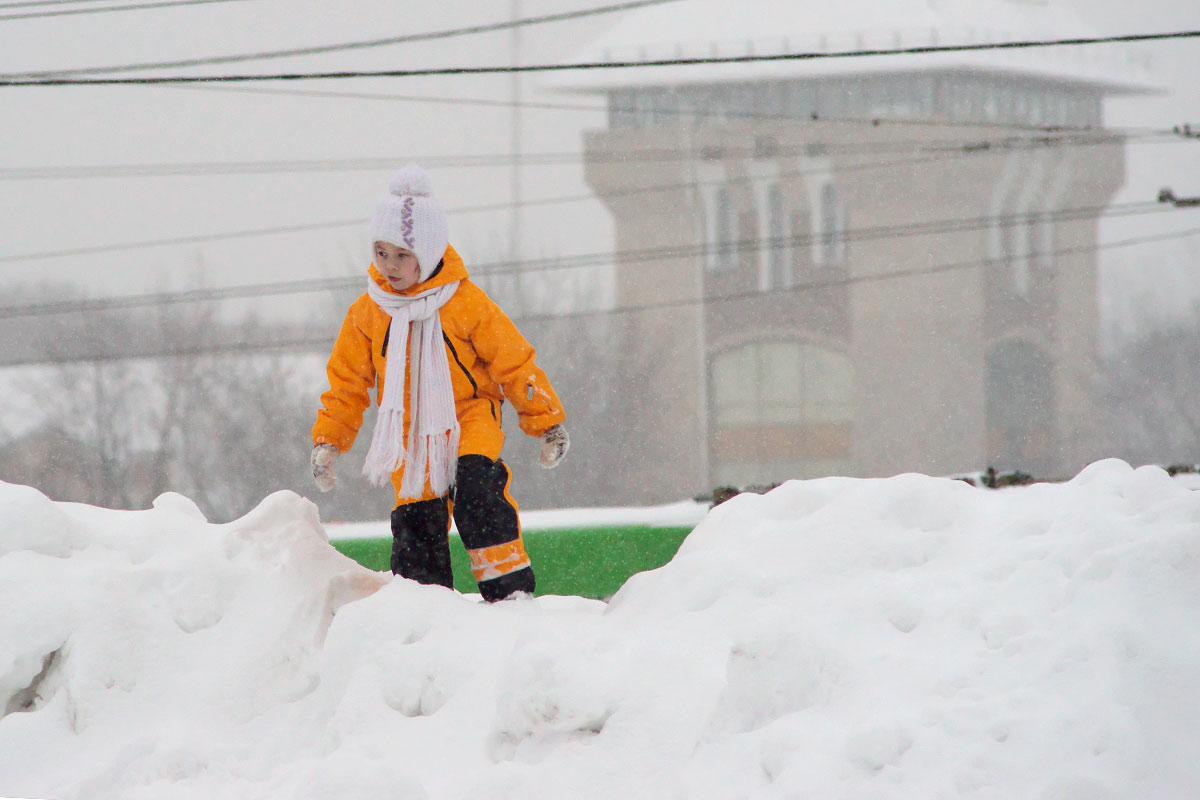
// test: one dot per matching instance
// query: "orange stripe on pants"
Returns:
(493, 562)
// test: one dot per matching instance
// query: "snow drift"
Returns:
(903, 638)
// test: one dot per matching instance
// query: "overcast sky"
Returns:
(45, 127)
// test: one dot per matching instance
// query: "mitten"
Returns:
(555, 444)
(323, 456)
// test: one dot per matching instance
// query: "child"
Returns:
(444, 357)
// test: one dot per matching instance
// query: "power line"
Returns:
(31, 3)
(172, 169)
(875, 233)
(1048, 134)
(181, 240)
(344, 46)
(28, 3)
(578, 261)
(305, 227)
(255, 232)
(309, 342)
(568, 157)
(414, 98)
(558, 200)
(861, 279)
(474, 209)
(31, 79)
(106, 9)
(694, 113)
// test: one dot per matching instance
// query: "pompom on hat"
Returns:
(409, 216)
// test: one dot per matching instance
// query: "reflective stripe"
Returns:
(531, 386)
(494, 562)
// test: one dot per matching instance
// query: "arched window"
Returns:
(780, 409)
(778, 246)
(774, 233)
(1019, 407)
(718, 218)
(1042, 238)
(726, 227)
(1018, 255)
(831, 242)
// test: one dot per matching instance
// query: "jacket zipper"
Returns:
(474, 385)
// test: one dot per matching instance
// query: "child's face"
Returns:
(397, 265)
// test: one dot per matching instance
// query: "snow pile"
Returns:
(904, 638)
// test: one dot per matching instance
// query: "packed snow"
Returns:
(910, 637)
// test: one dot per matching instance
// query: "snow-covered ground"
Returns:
(912, 637)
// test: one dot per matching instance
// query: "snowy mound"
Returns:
(903, 638)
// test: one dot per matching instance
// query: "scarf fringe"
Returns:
(435, 460)
(380, 464)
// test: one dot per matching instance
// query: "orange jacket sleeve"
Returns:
(351, 376)
(509, 359)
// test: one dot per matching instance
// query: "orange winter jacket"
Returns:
(489, 360)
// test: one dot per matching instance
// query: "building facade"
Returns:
(854, 273)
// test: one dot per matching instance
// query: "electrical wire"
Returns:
(507, 206)
(30, 79)
(181, 240)
(831, 283)
(874, 233)
(30, 3)
(559, 200)
(345, 46)
(106, 9)
(325, 341)
(693, 113)
(571, 158)
(559, 263)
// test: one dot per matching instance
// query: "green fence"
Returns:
(589, 562)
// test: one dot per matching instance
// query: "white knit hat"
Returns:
(409, 216)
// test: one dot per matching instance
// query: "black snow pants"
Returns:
(487, 522)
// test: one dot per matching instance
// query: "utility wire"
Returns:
(304, 227)
(693, 113)
(578, 261)
(325, 341)
(561, 158)
(413, 98)
(106, 9)
(31, 3)
(490, 207)
(861, 279)
(344, 46)
(181, 240)
(874, 233)
(32, 79)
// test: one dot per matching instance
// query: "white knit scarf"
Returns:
(432, 446)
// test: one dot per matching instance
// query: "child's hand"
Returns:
(323, 456)
(555, 444)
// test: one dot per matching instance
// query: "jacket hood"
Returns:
(453, 269)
